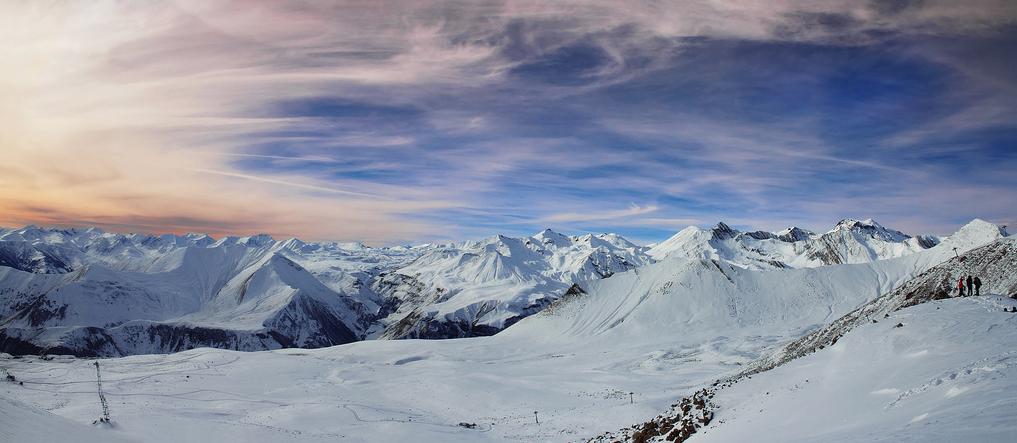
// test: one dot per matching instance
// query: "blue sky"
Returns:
(395, 123)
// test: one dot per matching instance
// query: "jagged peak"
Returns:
(293, 242)
(794, 234)
(871, 228)
(794, 229)
(722, 231)
(549, 236)
(547, 232)
(616, 240)
(849, 223)
(252, 240)
(32, 227)
(258, 238)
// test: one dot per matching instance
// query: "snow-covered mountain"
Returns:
(87, 292)
(850, 241)
(479, 288)
(911, 356)
(618, 351)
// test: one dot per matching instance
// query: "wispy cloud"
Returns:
(599, 214)
(391, 121)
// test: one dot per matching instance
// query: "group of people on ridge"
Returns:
(974, 286)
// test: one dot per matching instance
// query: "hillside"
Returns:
(574, 364)
(947, 374)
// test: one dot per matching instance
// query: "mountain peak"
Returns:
(870, 228)
(548, 233)
(974, 233)
(722, 231)
(551, 237)
(849, 223)
(794, 234)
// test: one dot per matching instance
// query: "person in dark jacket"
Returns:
(978, 286)
(960, 287)
(971, 285)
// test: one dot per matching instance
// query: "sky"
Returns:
(405, 121)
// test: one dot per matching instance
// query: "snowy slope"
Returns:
(479, 288)
(24, 423)
(575, 364)
(993, 261)
(703, 296)
(949, 374)
(850, 241)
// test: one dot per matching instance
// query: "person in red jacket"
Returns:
(960, 286)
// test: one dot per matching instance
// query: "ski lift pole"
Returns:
(102, 397)
(955, 254)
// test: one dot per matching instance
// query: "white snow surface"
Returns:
(22, 422)
(947, 375)
(659, 332)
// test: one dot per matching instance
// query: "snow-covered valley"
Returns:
(660, 332)
(90, 293)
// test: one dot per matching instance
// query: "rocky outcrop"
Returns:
(683, 419)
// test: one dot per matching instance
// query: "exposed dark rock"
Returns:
(795, 234)
(760, 235)
(678, 424)
(723, 231)
(29, 258)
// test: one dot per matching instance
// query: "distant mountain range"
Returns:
(91, 293)
(850, 241)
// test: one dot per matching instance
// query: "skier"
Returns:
(971, 285)
(960, 286)
(978, 286)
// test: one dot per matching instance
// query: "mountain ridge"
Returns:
(89, 292)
